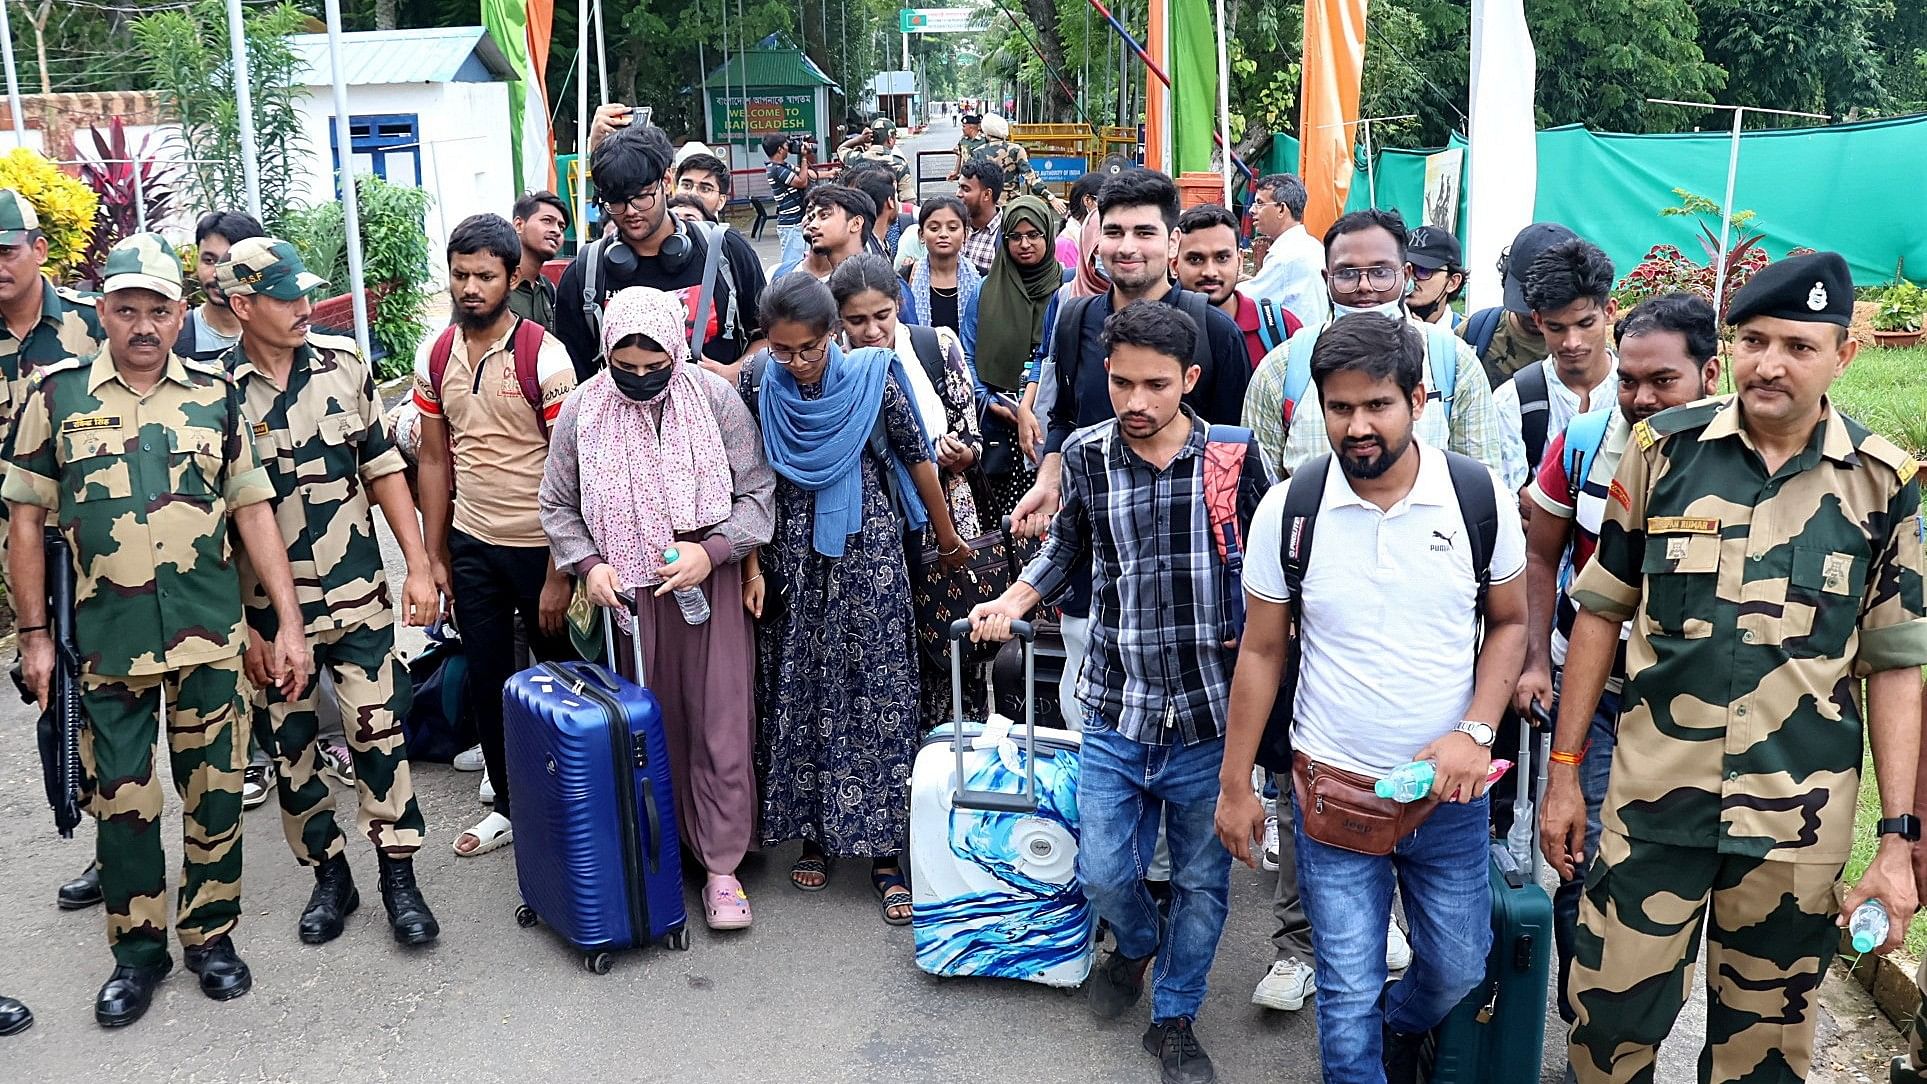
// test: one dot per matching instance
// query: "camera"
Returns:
(798, 146)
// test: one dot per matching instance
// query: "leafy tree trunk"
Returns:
(1043, 28)
(39, 21)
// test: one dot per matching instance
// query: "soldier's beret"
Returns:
(1813, 289)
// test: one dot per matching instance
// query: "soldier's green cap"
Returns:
(144, 261)
(17, 217)
(883, 125)
(268, 266)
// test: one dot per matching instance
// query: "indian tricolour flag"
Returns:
(521, 29)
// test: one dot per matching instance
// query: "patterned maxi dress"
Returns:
(836, 675)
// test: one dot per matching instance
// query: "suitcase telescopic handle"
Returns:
(633, 600)
(1541, 729)
(994, 801)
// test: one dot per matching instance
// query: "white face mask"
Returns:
(1394, 309)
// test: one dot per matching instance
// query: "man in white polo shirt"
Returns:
(1392, 561)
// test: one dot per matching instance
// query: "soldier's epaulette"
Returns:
(64, 365)
(1677, 419)
(75, 297)
(323, 341)
(1880, 449)
(207, 368)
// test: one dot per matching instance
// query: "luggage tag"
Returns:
(996, 732)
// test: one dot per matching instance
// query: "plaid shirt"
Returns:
(980, 246)
(1157, 669)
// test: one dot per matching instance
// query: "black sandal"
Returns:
(894, 891)
(818, 864)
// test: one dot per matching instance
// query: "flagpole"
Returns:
(13, 79)
(244, 105)
(350, 199)
(581, 124)
(1224, 101)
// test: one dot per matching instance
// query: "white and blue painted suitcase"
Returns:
(993, 847)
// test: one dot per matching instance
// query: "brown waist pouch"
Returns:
(1340, 809)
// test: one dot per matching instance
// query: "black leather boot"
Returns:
(333, 900)
(223, 975)
(82, 892)
(1401, 1055)
(14, 1017)
(128, 992)
(408, 913)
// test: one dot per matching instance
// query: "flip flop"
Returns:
(725, 904)
(894, 891)
(491, 832)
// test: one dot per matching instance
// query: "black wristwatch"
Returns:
(1906, 826)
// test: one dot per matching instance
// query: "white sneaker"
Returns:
(1271, 844)
(1286, 987)
(487, 794)
(470, 760)
(1398, 951)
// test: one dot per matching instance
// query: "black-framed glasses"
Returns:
(641, 202)
(1023, 235)
(1380, 278)
(809, 355)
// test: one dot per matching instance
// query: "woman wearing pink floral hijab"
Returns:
(650, 455)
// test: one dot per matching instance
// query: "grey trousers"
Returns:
(1294, 929)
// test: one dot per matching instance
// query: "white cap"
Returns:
(996, 127)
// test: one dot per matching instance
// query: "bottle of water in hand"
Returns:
(695, 606)
(1868, 927)
(1408, 782)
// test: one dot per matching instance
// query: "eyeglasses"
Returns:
(1424, 274)
(1379, 277)
(705, 188)
(640, 203)
(1261, 204)
(809, 355)
(1024, 235)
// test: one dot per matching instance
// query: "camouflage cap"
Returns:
(883, 125)
(144, 261)
(17, 216)
(268, 266)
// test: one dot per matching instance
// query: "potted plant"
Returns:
(1898, 320)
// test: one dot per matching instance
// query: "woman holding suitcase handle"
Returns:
(653, 457)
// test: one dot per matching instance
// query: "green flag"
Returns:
(507, 23)
(1194, 78)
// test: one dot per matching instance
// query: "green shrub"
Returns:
(394, 256)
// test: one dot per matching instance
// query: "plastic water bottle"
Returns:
(695, 607)
(1868, 926)
(1408, 782)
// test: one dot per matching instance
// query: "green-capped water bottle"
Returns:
(1868, 927)
(1408, 782)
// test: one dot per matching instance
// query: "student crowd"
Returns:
(1540, 508)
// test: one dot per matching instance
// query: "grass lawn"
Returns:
(1886, 390)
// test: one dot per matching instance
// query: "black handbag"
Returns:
(944, 595)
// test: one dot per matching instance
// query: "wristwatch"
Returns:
(1478, 732)
(1906, 826)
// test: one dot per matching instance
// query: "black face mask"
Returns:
(642, 387)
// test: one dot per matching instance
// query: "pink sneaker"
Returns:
(725, 904)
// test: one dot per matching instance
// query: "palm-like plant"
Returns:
(134, 187)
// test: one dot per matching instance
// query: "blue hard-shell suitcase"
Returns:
(596, 849)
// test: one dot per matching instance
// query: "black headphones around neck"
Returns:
(675, 251)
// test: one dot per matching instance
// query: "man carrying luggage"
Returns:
(142, 460)
(1767, 549)
(1395, 559)
(316, 420)
(1135, 492)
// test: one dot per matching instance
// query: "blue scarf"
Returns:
(969, 281)
(818, 443)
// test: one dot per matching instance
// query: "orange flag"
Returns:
(1157, 97)
(1328, 121)
(540, 26)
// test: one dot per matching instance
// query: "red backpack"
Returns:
(527, 348)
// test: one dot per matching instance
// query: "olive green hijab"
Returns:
(1010, 307)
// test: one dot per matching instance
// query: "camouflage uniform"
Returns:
(1020, 178)
(142, 487)
(890, 158)
(323, 443)
(968, 147)
(1757, 603)
(1510, 350)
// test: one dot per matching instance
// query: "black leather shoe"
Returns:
(14, 1017)
(408, 914)
(1401, 1055)
(1181, 1060)
(128, 992)
(333, 900)
(1115, 985)
(223, 975)
(82, 892)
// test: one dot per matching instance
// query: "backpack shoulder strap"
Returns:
(1198, 308)
(1304, 495)
(438, 360)
(929, 351)
(712, 237)
(592, 258)
(1442, 361)
(1271, 325)
(1298, 367)
(1068, 342)
(1479, 508)
(1535, 411)
(527, 353)
(1584, 437)
(1225, 447)
(1483, 325)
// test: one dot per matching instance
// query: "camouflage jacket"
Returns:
(888, 156)
(323, 443)
(1756, 603)
(142, 487)
(68, 328)
(1020, 179)
(968, 146)
(1509, 350)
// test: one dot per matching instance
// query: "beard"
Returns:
(480, 321)
(1367, 469)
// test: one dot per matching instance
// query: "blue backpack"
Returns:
(1441, 355)
(1585, 434)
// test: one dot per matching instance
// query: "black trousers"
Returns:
(494, 585)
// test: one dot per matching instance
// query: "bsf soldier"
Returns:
(141, 459)
(316, 423)
(878, 143)
(1020, 177)
(969, 143)
(1767, 549)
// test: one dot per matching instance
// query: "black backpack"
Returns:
(1069, 340)
(1478, 507)
(1535, 412)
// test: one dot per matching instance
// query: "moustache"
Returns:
(144, 340)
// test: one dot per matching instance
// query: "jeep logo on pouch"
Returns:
(552, 768)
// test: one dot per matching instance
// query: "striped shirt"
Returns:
(1584, 505)
(1157, 669)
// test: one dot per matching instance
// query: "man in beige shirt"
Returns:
(488, 390)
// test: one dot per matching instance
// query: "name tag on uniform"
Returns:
(1682, 525)
(260, 429)
(89, 422)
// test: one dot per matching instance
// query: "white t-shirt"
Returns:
(1389, 624)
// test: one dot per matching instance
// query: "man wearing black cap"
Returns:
(1506, 339)
(971, 142)
(1435, 265)
(1767, 549)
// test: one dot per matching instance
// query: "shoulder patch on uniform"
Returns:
(334, 342)
(1643, 435)
(1679, 419)
(1907, 471)
(1875, 446)
(75, 297)
(64, 365)
(210, 369)
(1618, 492)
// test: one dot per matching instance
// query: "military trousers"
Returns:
(1770, 935)
(199, 707)
(373, 694)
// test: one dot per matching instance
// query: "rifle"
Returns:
(60, 725)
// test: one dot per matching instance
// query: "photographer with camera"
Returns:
(788, 181)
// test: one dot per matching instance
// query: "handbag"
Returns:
(943, 595)
(1340, 809)
(438, 724)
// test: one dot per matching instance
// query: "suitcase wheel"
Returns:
(598, 962)
(678, 940)
(525, 916)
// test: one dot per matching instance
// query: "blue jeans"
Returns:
(1594, 772)
(1124, 789)
(1441, 871)
(794, 247)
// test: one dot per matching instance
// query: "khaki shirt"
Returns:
(142, 486)
(1757, 603)
(322, 441)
